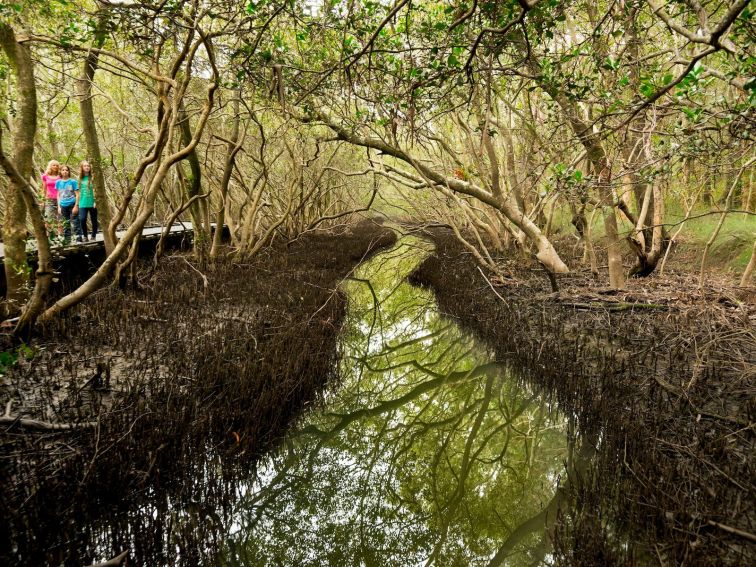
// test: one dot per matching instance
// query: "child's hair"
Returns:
(81, 169)
(60, 169)
(50, 165)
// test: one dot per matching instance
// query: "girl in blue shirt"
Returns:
(68, 194)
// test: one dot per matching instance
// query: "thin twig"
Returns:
(203, 276)
(491, 285)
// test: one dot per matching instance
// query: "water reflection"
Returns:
(426, 453)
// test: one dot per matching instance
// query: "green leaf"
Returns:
(8, 359)
(611, 64)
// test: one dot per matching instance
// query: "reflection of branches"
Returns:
(273, 488)
(439, 380)
(405, 446)
(389, 348)
(376, 303)
(426, 427)
(417, 365)
(529, 526)
(375, 457)
(464, 470)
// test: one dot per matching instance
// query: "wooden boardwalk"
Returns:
(148, 233)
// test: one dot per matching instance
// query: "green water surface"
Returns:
(427, 452)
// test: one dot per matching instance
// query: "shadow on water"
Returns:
(427, 452)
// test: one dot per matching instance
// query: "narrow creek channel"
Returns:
(427, 452)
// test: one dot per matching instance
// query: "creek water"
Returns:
(428, 451)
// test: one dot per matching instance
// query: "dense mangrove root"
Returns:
(647, 406)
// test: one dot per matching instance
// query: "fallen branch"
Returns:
(205, 282)
(491, 285)
(611, 306)
(44, 425)
(731, 530)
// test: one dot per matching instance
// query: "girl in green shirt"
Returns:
(86, 203)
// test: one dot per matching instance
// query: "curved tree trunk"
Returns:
(44, 273)
(234, 145)
(163, 139)
(21, 194)
(598, 159)
(546, 254)
(84, 91)
(634, 149)
(198, 208)
(14, 224)
(649, 240)
(600, 162)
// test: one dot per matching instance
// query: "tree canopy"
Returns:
(506, 120)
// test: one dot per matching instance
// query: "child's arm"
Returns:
(78, 196)
(57, 188)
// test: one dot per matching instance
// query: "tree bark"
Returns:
(599, 160)
(84, 88)
(44, 273)
(198, 208)
(634, 139)
(233, 145)
(17, 273)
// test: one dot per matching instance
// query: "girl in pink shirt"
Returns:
(49, 179)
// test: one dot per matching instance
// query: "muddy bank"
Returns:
(660, 380)
(171, 392)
